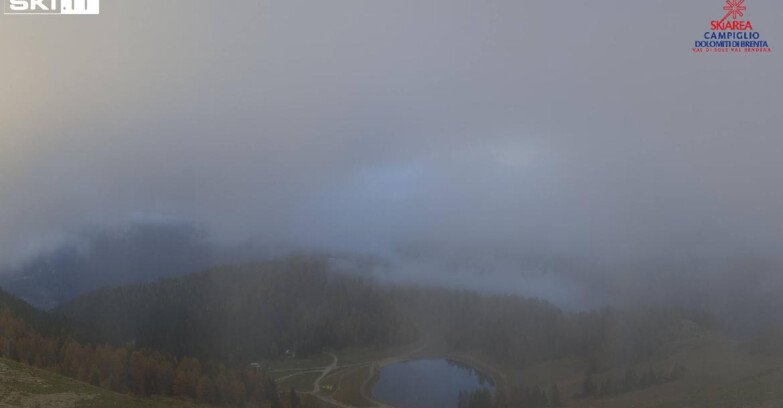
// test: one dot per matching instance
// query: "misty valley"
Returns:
(317, 331)
(391, 204)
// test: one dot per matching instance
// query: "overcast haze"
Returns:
(577, 131)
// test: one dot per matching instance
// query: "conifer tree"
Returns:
(588, 386)
(554, 397)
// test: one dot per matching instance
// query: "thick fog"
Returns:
(455, 139)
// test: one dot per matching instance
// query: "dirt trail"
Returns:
(317, 384)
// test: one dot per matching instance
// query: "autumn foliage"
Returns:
(139, 372)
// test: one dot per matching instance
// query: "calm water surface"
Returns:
(432, 383)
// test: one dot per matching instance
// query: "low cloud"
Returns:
(446, 128)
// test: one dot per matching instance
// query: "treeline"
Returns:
(508, 329)
(481, 398)
(532, 397)
(247, 313)
(513, 331)
(522, 397)
(260, 311)
(630, 381)
(140, 372)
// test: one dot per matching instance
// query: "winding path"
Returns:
(327, 370)
(283, 378)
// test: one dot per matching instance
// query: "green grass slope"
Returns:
(24, 386)
(28, 387)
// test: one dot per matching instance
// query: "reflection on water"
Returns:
(431, 383)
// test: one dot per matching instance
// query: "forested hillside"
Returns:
(516, 331)
(142, 372)
(246, 313)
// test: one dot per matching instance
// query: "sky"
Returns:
(445, 132)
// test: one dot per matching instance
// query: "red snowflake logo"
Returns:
(734, 9)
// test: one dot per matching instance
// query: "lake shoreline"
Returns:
(460, 372)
